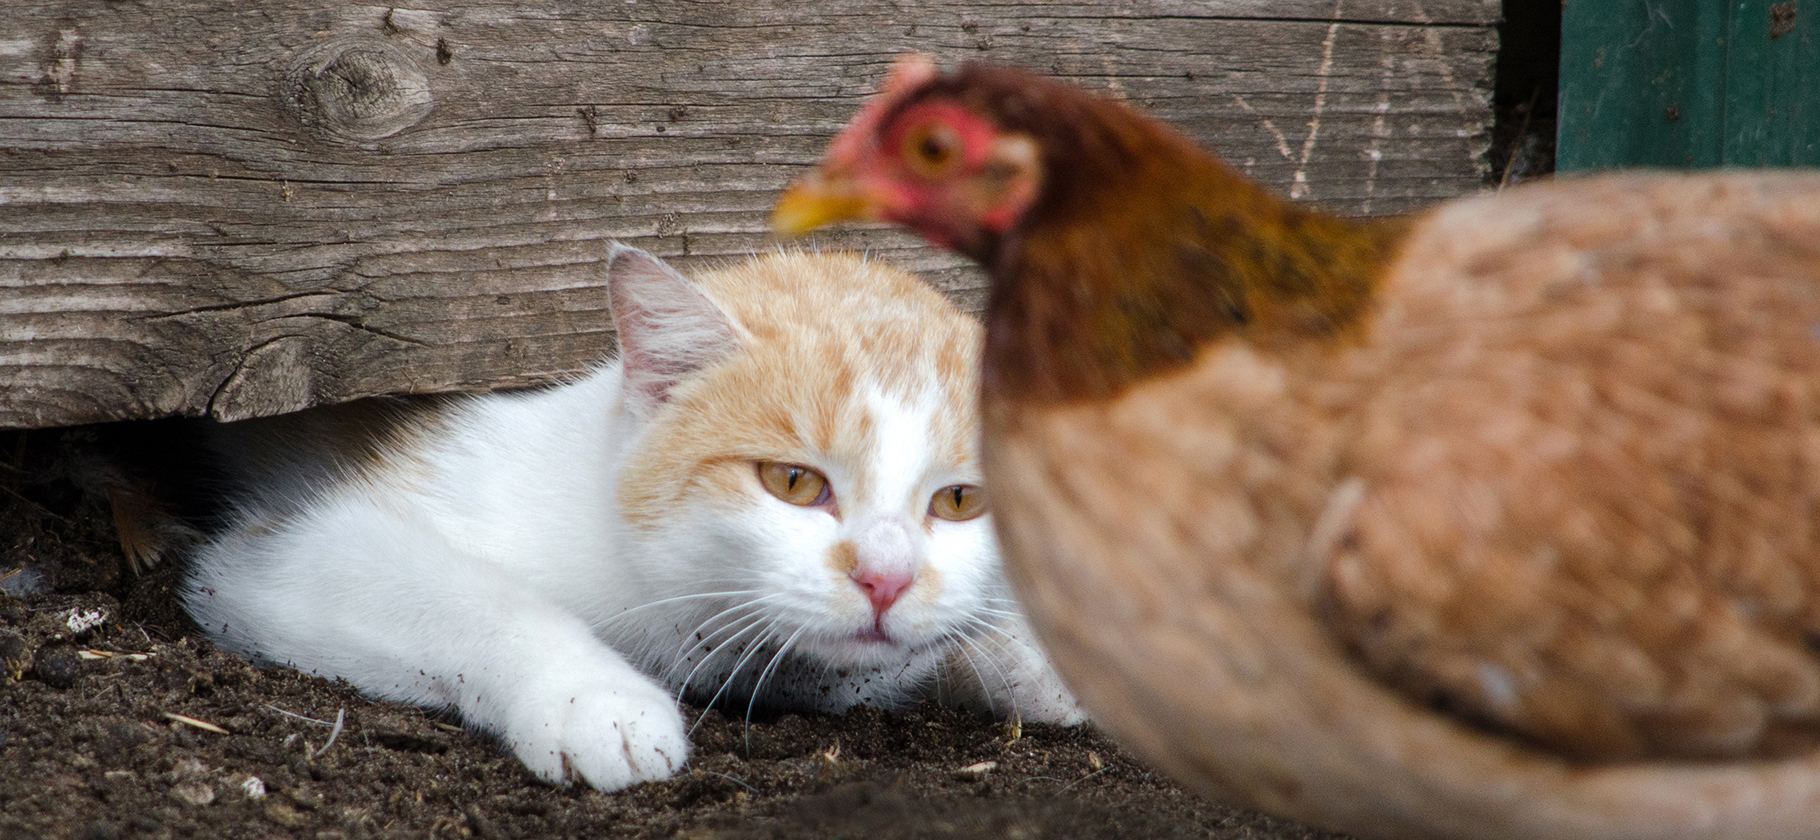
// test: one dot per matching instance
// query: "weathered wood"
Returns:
(236, 208)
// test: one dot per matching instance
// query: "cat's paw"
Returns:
(609, 735)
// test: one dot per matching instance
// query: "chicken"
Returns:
(1498, 521)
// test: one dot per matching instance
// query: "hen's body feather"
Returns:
(1590, 521)
(1522, 543)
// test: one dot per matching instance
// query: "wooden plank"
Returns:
(1689, 83)
(241, 209)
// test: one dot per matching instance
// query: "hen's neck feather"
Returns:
(1143, 249)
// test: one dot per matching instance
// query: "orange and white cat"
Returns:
(771, 497)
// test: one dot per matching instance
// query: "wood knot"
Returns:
(356, 92)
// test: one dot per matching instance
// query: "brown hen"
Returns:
(1501, 521)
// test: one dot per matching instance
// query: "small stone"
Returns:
(15, 653)
(12, 609)
(190, 767)
(482, 827)
(305, 799)
(253, 787)
(80, 620)
(115, 738)
(57, 666)
(285, 815)
(199, 794)
(975, 771)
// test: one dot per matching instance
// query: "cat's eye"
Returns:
(931, 147)
(794, 483)
(958, 503)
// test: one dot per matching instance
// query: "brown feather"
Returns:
(1586, 425)
(1591, 518)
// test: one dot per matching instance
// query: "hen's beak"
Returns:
(821, 198)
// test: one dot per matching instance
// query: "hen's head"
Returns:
(929, 152)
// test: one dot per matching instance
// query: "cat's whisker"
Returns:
(961, 648)
(739, 606)
(989, 633)
(936, 678)
(616, 617)
(708, 641)
(764, 675)
(1001, 636)
(994, 611)
(698, 636)
(752, 622)
(821, 679)
(712, 649)
(986, 631)
(757, 644)
(769, 669)
(978, 644)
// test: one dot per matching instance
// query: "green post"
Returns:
(1689, 83)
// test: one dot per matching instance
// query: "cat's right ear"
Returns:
(667, 328)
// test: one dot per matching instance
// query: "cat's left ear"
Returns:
(667, 328)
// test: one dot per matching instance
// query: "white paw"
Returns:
(608, 734)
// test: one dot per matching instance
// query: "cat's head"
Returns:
(810, 442)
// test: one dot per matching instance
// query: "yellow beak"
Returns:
(819, 199)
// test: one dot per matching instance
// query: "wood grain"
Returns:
(241, 209)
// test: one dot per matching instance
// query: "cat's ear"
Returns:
(667, 328)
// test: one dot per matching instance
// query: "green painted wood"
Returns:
(1772, 113)
(1689, 83)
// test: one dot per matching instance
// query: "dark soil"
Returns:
(135, 727)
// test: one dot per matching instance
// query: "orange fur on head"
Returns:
(814, 329)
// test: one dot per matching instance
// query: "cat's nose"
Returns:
(883, 589)
(887, 563)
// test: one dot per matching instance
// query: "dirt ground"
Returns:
(118, 721)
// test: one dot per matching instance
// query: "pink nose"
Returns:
(882, 587)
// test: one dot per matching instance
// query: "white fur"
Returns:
(485, 568)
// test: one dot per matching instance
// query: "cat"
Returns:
(770, 498)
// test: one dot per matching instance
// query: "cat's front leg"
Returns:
(587, 715)
(370, 591)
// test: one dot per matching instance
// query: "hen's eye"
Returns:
(931, 147)
(793, 483)
(958, 503)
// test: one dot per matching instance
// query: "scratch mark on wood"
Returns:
(1431, 42)
(60, 71)
(1380, 131)
(1282, 142)
(1299, 189)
